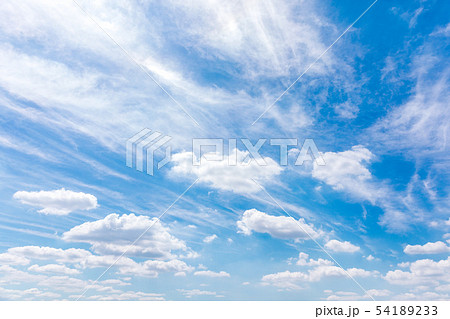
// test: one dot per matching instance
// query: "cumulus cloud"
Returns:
(210, 239)
(428, 295)
(424, 272)
(318, 273)
(212, 274)
(285, 280)
(197, 292)
(219, 174)
(293, 280)
(54, 268)
(27, 294)
(276, 226)
(346, 171)
(13, 259)
(303, 261)
(120, 296)
(151, 268)
(108, 237)
(341, 247)
(113, 234)
(71, 255)
(438, 247)
(83, 259)
(61, 283)
(57, 202)
(349, 295)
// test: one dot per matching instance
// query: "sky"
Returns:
(80, 78)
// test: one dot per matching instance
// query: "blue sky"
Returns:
(376, 105)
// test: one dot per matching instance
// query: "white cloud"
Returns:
(440, 223)
(71, 255)
(346, 171)
(276, 226)
(429, 295)
(293, 280)
(57, 202)
(379, 292)
(12, 259)
(114, 234)
(303, 261)
(180, 274)
(117, 282)
(320, 272)
(27, 294)
(159, 244)
(341, 247)
(263, 39)
(219, 174)
(209, 273)
(418, 129)
(349, 295)
(77, 103)
(54, 268)
(121, 296)
(151, 268)
(346, 110)
(425, 272)
(343, 296)
(285, 280)
(24, 147)
(210, 239)
(196, 292)
(59, 283)
(419, 126)
(438, 247)
(370, 258)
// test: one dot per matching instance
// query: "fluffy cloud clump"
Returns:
(276, 226)
(219, 174)
(57, 202)
(341, 247)
(113, 235)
